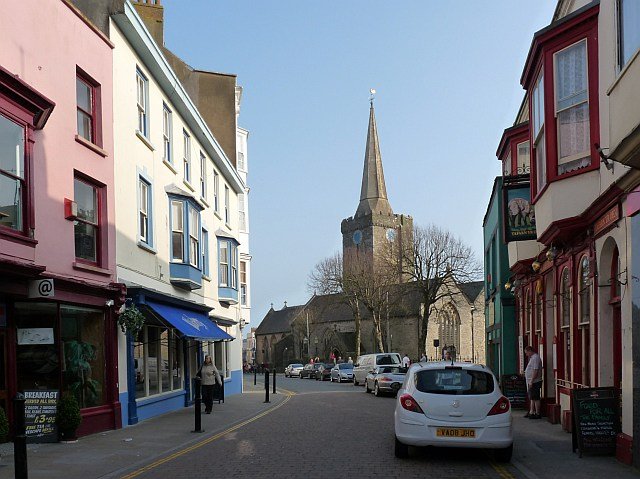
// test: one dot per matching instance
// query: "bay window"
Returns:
(224, 264)
(177, 231)
(243, 283)
(205, 252)
(572, 108)
(234, 267)
(194, 239)
(537, 115)
(87, 223)
(628, 31)
(12, 174)
(523, 158)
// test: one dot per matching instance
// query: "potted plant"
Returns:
(68, 417)
(78, 358)
(4, 426)
(131, 320)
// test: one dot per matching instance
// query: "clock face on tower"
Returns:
(391, 234)
(357, 237)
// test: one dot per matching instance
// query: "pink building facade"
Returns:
(57, 210)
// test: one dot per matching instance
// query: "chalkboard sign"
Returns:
(514, 387)
(41, 407)
(596, 420)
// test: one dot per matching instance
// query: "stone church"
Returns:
(325, 324)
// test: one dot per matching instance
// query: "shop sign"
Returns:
(519, 214)
(40, 410)
(29, 336)
(596, 416)
(606, 220)
(41, 288)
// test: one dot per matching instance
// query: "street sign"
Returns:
(41, 288)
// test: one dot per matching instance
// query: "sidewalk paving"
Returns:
(111, 454)
(544, 450)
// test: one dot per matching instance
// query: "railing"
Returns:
(569, 384)
(459, 359)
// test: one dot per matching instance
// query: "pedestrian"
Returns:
(533, 376)
(423, 358)
(446, 355)
(340, 361)
(350, 361)
(406, 362)
(311, 361)
(210, 376)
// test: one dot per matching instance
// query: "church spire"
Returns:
(373, 195)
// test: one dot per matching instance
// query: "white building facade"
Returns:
(179, 245)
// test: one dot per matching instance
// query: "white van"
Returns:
(368, 362)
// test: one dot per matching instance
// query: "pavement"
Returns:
(310, 429)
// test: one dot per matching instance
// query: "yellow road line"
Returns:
(504, 474)
(206, 441)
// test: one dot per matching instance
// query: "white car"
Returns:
(452, 405)
(293, 370)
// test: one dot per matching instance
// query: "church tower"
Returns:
(375, 229)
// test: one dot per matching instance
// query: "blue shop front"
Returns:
(166, 354)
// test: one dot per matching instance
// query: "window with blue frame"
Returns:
(205, 252)
(228, 269)
(145, 211)
(223, 274)
(186, 236)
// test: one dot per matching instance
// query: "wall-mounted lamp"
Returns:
(507, 285)
(606, 159)
(535, 266)
(552, 253)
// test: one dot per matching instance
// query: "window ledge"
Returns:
(93, 269)
(217, 215)
(205, 202)
(92, 146)
(188, 185)
(170, 166)
(146, 247)
(206, 278)
(17, 237)
(145, 140)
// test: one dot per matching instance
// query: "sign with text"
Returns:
(519, 213)
(40, 410)
(606, 220)
(28, 336)
(41, 288)
(514, 388)
(596, 416)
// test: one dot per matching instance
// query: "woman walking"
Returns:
(210, 377)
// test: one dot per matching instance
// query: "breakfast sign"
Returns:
(40, 410)
(596, 416)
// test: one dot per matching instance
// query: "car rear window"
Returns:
(345, 366)
(454, 381)
(296, 365)
(387, 359)
(389, 370)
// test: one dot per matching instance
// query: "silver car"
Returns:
(293, 370)
(385, 380)
(342, 372)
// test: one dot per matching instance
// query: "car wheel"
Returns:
(376, 390)
(366, 386)
(503, 455)
(401, 450)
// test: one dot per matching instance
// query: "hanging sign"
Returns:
(40, 410)
(519, 214)
(596, 416)
(41, 288)
(606, 220)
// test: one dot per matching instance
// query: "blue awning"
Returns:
(190, 323)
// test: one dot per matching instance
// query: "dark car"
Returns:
(307, 371)
(314, 371)
(323, 373)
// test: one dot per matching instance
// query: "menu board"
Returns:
(514, 388)
(40, 409)
(596, 416)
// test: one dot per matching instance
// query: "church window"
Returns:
(449, 330)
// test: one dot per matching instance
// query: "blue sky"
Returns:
(447, 79)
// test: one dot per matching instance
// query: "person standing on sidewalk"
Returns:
(533, 376)
(210, 377)
(406, 362)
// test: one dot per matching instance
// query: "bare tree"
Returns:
(434, 260)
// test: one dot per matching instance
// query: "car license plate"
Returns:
(455, 432)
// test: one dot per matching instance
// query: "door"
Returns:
(617, 346)
(4, 393)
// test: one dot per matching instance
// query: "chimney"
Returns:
(285, 304)
(152, 14)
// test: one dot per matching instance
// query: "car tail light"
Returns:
(385, 380)
(500, 407)
(410, 404)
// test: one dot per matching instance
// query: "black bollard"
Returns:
(266, 386)
(20, 439)
(255, 375)
(198, 405)
(274, 380)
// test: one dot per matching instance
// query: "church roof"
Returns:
(278, 321)
(373, 195)
(472, 289)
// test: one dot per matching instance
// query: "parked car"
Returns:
(342, 372)
(293, 370)
(306, 371)
(452, 405)
(314, 370)
(385, 380)
(323, 372)
(368, 362)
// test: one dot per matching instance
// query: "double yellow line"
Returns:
(208, 440)
(502, 471)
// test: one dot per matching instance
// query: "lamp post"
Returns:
(305, 345)
(473, 344)
(315, 341)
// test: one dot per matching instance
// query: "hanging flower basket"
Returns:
(131, 320)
